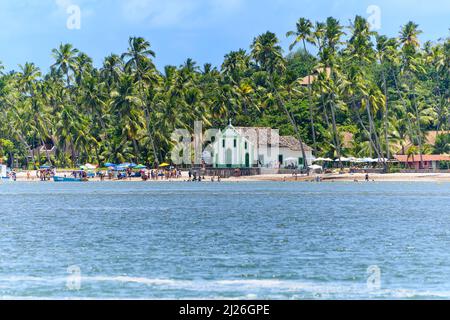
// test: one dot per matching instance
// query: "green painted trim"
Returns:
(223, 166)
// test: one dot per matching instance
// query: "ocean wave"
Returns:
(249, 289)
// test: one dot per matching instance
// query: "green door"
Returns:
(229, 158)
(301, 163)
(247, 160)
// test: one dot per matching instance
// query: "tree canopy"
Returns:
(336, 80)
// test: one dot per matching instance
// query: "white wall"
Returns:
(288, 153)
(3, 173)
(238, 153)
(271, 156)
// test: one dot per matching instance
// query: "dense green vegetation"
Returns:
(387, 92)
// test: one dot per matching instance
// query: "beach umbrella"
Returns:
(140, 166)
(162, 165)
(315, 167)
(344, 159)
(108, 164)
(323, 160)
(126, 165)
(45, 167)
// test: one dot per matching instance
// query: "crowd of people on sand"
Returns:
(159, 174)
(43, 175)
(144, 174)
(195, 176)
(171, 173)
(320, 178)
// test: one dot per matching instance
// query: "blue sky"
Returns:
(204, 30)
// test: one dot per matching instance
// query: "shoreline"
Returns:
(393, 177)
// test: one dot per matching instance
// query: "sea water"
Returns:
(262, 240)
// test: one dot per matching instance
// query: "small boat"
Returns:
(64, 179)
(5, 179)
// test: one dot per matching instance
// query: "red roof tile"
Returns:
(426, 157)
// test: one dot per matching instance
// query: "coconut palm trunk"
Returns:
(386, 116)
(296, 129)
(311, 112)
(336, 134)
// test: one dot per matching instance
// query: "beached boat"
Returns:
(5, 179)
(64, 179)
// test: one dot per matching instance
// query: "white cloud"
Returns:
(63, 4)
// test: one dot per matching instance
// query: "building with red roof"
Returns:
(430, 161)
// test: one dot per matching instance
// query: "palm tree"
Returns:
(304, 34)
(442, 145)
(65, 60)
(267, 53)
(331, 32)
(124, 107)
(409, 35)
(410, 44)
(28, 82)
(386, 49)
(112, 70)
(387, 92)
(139, 62)
(361, 56)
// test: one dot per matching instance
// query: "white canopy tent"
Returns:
(315, 167)
(323, 160)
(344, 159)
(90, 166)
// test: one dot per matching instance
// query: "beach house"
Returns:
(430, 162)
(257, 147)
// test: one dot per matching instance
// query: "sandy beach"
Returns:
(394, 177)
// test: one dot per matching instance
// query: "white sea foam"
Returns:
(241, 289)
